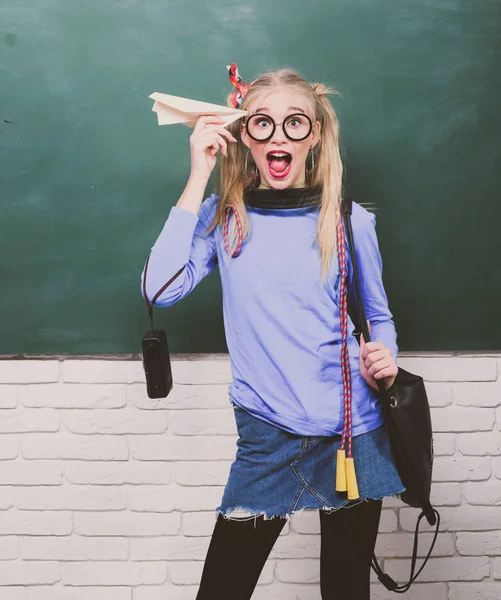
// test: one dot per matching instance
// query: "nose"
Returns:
(278, 135)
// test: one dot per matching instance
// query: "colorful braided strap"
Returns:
(346, 479)
(239, 227)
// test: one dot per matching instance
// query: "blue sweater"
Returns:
(281, 324)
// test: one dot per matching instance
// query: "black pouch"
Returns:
(155, 350)
(156, 363)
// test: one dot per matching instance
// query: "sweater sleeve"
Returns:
(182, 255)
(370, 269)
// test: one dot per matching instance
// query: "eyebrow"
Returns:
(263, 108)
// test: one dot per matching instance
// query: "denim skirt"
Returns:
(276, 473)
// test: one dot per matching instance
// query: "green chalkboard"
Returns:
(87, 178)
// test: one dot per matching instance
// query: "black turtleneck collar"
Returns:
(287, 198)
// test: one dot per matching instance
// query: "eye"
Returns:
(262, 122)
(296, 121)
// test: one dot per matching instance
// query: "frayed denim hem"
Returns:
(242, 513)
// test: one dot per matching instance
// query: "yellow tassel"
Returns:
(352, 480)
(340, 471)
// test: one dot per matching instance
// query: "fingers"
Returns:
(223, 131)
(370, 347)
(377, 362)
(218, 129)
(389, 371)
(218, 142)
(375, 356)
(206, 120)
(371, 355)
(382, 368)
(212, 122)
(208, 134)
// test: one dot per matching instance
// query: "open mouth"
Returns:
(279, 163)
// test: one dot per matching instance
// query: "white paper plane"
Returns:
(173, 109)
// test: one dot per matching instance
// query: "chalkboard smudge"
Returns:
(10, 39)
(10, 122)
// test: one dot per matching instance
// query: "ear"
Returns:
(244, 135)
(315, 133)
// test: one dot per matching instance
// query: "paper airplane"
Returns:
(173, 109)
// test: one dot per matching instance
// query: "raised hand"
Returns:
(208, 137)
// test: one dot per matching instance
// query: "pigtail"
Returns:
(328, 173)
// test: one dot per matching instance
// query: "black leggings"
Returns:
(239, 549)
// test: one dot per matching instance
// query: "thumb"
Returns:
(363, 341)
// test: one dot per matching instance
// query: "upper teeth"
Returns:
(279, 154)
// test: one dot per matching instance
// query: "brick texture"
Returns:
(106, 493)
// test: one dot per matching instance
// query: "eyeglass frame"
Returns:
(246, 123)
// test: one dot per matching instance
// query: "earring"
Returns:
(312, 161)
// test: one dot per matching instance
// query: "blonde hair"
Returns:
(232, 178)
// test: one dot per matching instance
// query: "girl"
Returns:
(275, 231)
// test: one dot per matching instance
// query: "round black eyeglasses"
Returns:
(261, 127)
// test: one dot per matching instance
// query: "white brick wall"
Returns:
(106, 494)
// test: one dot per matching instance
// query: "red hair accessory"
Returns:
(241, 88)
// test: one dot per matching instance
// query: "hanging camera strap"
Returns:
(160, 291)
